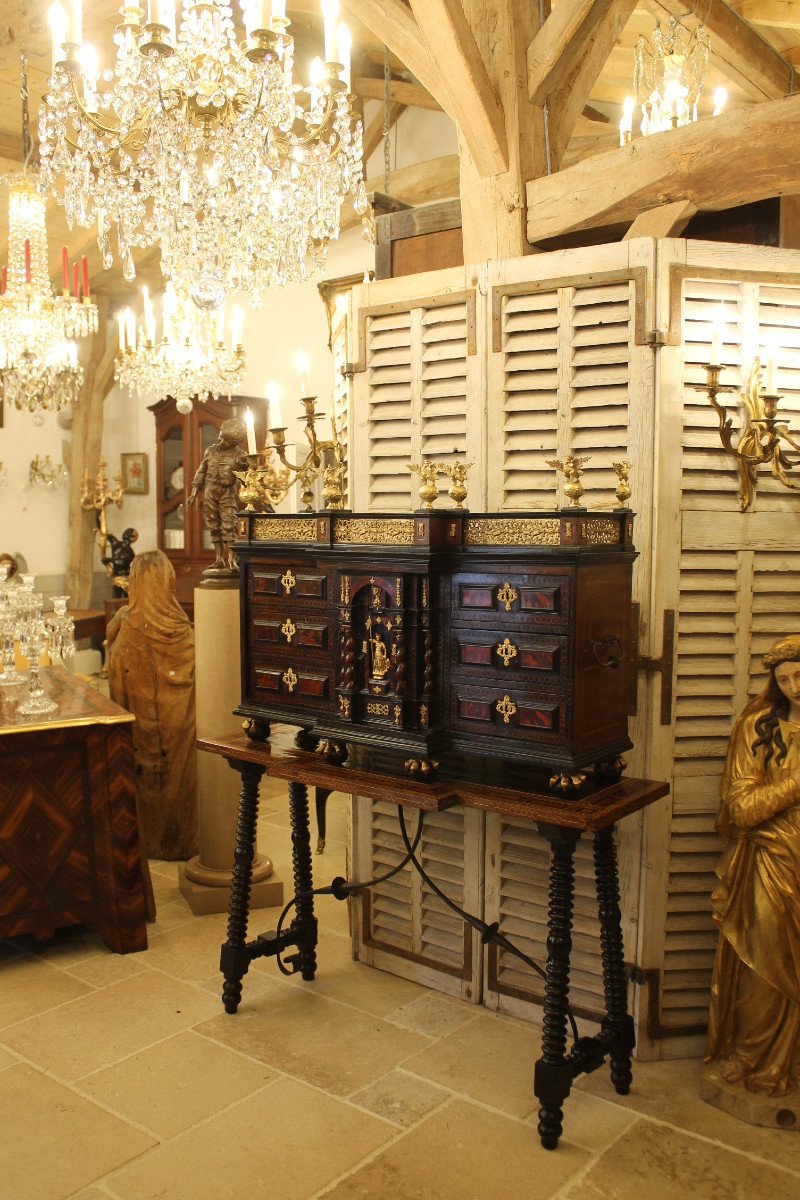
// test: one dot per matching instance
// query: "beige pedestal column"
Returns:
(205, 879)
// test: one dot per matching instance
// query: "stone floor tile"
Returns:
(108, 1024)
(660, 1163)
(434, 1015)
(324, 1043)
(340, 978)
(171, 1086)
(463, 1152)
(55, 1142)
(188, 950)
(102, 969)
(285, 1141)
(670, 1091)
(7, 1060)
(30, 985)
(400, 1098)
(490, 1059)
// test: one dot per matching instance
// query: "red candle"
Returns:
(65, 267)
(85, 267)
(75, 285)
(27, 260)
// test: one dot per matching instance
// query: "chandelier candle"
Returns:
(238, 172)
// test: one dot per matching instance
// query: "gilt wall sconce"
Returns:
(761, 438)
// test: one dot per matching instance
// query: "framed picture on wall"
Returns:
(133, 469)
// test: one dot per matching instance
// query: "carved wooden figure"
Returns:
(151, 673)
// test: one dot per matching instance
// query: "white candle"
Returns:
(720, 100)
(717, 330)
(316, 75)
(279, 10)
(121, 324)
(161, 12)
(771, 380)
(75, 22)
(220, 324)
(344, 42)
(256, 16)
(58, 30)
(330, 15)
(90, 72)
(237, 325)
(149, 317)
(302, 364)
(274, 405)
(130, 328)
(251, 433)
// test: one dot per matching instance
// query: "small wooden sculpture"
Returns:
(216, 478)
(754, 1029)
(151, 673)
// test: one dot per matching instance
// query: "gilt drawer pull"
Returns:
(507, 595)
(288, 580)
(506, 708)
(290, 679)
(288, 629)
(506, 650)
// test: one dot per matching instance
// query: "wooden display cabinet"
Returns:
(181, 442)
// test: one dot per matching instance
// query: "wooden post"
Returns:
(87, 435)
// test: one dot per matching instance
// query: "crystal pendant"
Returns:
(128, 267)
(208, 291)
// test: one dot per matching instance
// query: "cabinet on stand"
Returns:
(181, 441)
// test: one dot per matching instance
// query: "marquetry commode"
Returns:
(443, 633)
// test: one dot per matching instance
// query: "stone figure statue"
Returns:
(151, 673)
(754, 1031)
(216, 478)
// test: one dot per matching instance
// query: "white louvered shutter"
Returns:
(388, 355)
(341, 390)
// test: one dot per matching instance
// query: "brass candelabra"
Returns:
(761, 435)
(99, 497)
(266, 486)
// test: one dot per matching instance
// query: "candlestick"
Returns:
(330, 15)
(274, 405)
(27, 260)
(57, 18)
(251, 433)
(344, 42)
(302, 364)
(717, 329)
(85, 267)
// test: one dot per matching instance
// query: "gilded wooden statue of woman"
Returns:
(754, 1031)
(151, 673)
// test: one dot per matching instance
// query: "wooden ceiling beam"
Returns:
(566, 104)
(770, 13)
(741, 53)
(472, 98)
(393, 23)
(423, 183)
(700, 164)
(552, 53)
(409, 94)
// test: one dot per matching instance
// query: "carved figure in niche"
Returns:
(151, 673)
(118, 562)
(216, 478)
(380, 659)
(754, 1030)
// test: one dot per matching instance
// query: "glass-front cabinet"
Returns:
(181, 441)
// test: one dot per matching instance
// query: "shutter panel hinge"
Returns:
(662, 666)
(655, 338)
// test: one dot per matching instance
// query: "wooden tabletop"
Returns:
(595, 810)
(78, 704)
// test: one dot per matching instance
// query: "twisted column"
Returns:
(618, 1023)
(305, 923)
(234, 958)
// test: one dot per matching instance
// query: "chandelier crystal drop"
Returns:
(38, 357)
(191, 359)
(204, 144)
(669, 74)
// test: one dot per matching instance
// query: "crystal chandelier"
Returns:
(669, 72)
(204, 144)
(38, 356)
(191, 359)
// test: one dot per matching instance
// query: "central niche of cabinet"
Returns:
(181, 441)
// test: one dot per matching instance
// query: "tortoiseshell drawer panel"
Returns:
(513, 713)
(494, 655)
(540, 601)
(280, 581)
(291, 685)
(287, 633)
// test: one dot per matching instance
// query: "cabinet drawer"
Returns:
(281, 581)
(534, 601)
(292, 685)
(491, 656)
(279, 631)
(515, 712)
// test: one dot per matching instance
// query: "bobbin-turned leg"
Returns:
(235, 957)
(618, 1026)
(553, 1073)
(304, 926)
